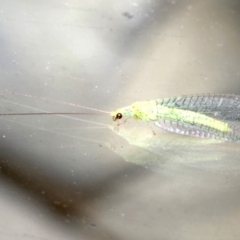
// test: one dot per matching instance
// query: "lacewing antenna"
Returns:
(57, 101)
(45, 113)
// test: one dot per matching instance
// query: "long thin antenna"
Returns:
(56, 101)
(45, 113)
(37, 111)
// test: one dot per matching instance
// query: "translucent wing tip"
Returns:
(198, 130)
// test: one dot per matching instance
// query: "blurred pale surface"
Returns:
(80, 177)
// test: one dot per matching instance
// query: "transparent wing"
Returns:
(225, 108)
(219, 106)
(197, 130)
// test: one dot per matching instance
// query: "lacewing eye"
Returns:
(119, 116)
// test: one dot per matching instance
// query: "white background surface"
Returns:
(55, 184)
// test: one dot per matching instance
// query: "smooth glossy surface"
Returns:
(80, 177)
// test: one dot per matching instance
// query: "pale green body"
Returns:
(153, 111)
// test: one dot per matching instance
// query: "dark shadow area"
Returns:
(64, 201)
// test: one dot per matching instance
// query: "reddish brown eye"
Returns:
(119, 116)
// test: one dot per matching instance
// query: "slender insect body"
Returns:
(205, 115)
(196, 118)
(202, 116)
(153, 111)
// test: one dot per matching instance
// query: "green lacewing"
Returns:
(205, 115)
